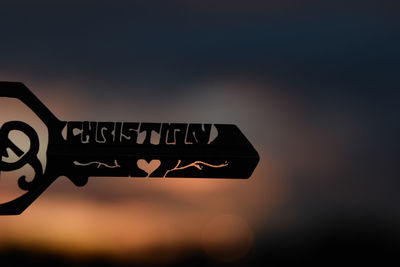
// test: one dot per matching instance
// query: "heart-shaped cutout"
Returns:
(148, 167)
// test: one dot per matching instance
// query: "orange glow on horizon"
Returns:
(131, 218)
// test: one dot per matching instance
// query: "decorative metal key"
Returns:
(83, 149)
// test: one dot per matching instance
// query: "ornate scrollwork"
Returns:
(29, 157)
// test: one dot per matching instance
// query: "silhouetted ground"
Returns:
(332, 242)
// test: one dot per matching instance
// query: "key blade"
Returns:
(156, 150)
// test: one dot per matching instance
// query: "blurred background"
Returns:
(314, 86)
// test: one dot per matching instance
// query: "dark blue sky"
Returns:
(349, 46)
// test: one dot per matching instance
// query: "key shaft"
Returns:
(134, 149)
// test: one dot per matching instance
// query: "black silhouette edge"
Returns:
(19, 91)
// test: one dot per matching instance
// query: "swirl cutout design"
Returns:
(29, 157)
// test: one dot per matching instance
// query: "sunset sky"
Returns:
(314, 86)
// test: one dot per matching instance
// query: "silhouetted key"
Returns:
(83, 149)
